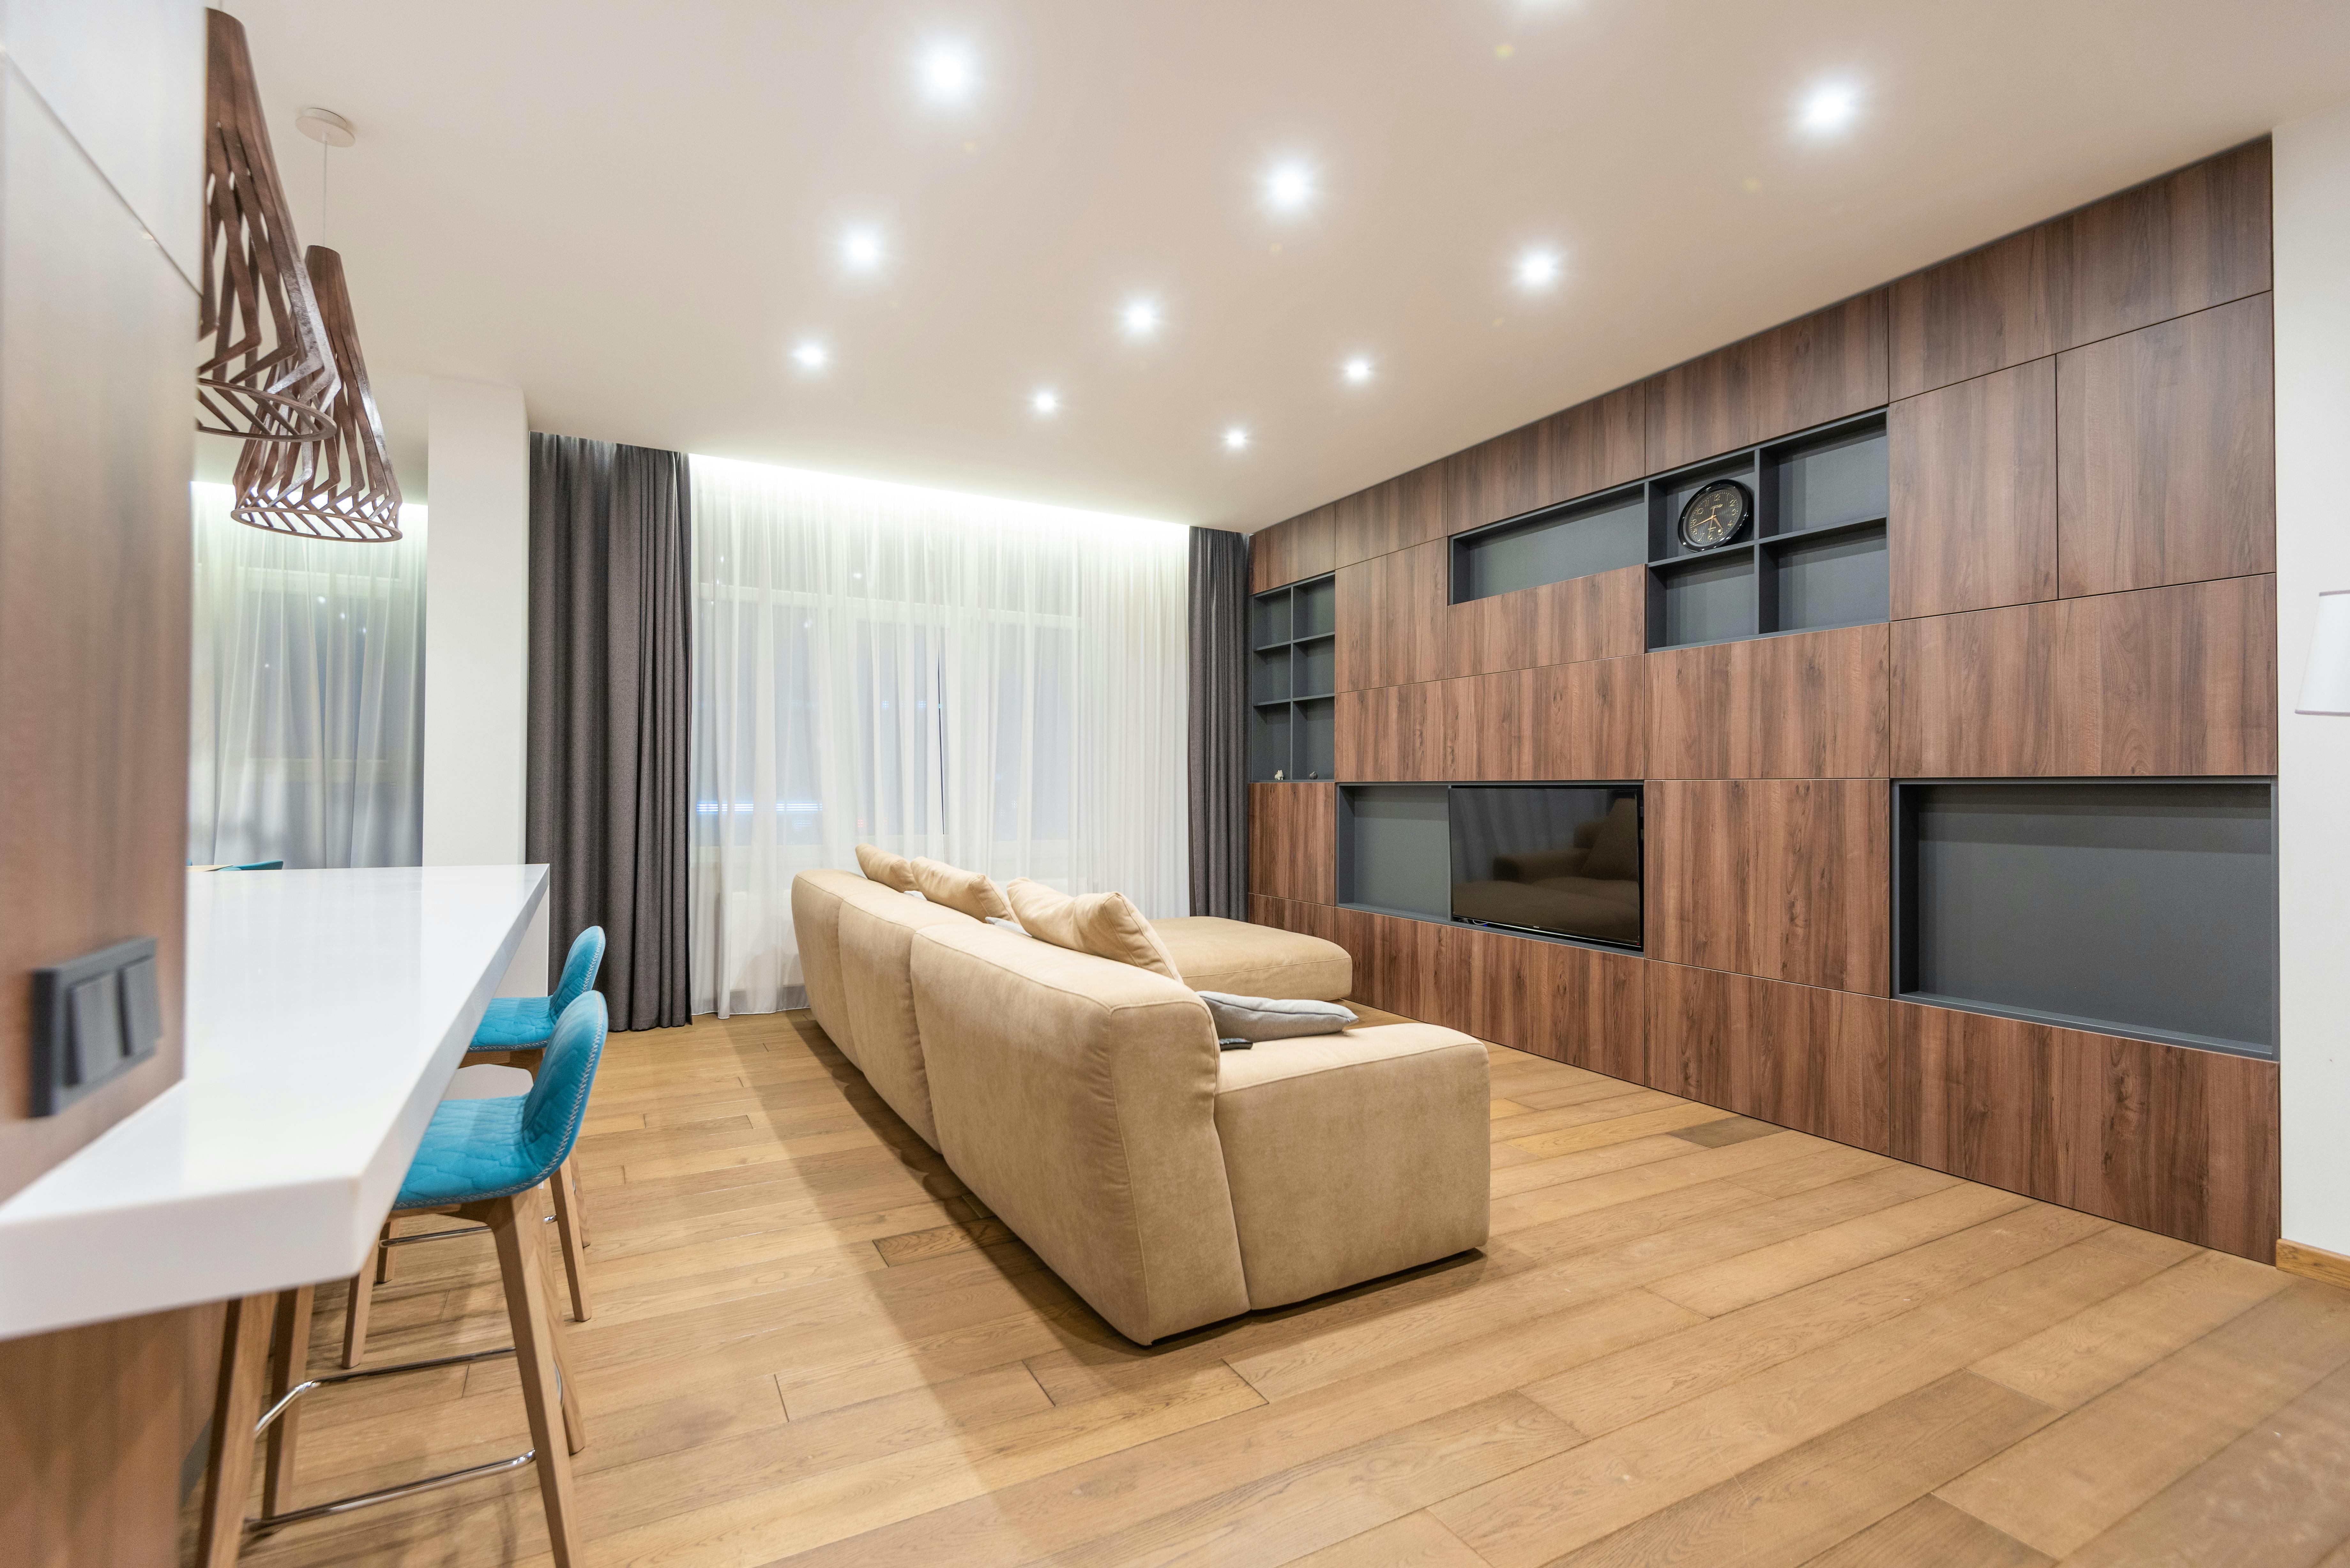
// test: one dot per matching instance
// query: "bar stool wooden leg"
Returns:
(520, 1250)
(237, 1405)
(575, 1420)
(578, 1197)
(289, 1363)
(383, 1253)
(567, 1226)
(356, 1309)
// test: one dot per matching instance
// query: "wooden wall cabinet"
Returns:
(2183, 1142)
(1604, 616)
(1779, 878)
(2178, 680)
(1973, 521)
(1811, 705)
(1808, 372)
(1818, 1061)
(1571, 1004)
(1304, 547)
(2167, 453)
(1292, 841)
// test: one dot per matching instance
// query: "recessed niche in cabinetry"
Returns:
(1395, 851)
(1293, 681)
(1597, 533)
(2136, 907)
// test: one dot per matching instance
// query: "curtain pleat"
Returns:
(994, 684)
(1219, 723)
(610, 688)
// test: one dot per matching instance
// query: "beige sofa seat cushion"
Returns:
(1215, 954)
(876, 960)
(1351, 1156)
(1106, 925)
(894, 872)
(967, 892)
(1075, 1097)
(817, 900)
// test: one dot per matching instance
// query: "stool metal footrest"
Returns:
(270, 1522)
(304, 1387)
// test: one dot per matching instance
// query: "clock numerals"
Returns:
(1714, 516)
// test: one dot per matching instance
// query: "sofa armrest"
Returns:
(1354, 1155)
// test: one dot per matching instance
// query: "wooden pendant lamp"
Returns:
(267, 373)
(340, 486)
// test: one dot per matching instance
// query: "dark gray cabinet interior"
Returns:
(1294, 681)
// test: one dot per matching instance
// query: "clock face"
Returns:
(1714, 516)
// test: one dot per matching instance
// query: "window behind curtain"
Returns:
(307, 740)
(998, 685)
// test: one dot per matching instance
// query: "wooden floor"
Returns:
(1693, 1339)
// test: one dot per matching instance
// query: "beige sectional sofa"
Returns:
(1086, 1103)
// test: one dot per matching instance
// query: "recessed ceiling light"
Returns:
(1358, 370)
(1045, 401)
(947, 73)
(861, 249)
(1141, 317)
(1236, 439)
(1538, 269)
(811, 355)
(1830, 107)
(1289, 188)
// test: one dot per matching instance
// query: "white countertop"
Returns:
(326, 1014)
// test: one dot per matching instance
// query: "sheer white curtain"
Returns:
(994, 684)
(307, 740)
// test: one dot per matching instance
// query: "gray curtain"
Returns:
(610, 648)
(1219, 723)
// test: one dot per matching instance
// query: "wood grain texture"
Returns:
(1394, 514)
(2184, 243)
(1394, 625)
(2180, 1142)
(1811, 705)
(1580, 721)
(1292, 551)
(2177, 680)
(1816, 1061)
(2167, 453)
(1782, 879)
(1604, 616)
(1972, 521)
(1292, 841)
(1426, 731)
(2313, 1263)
(1815, 368)
(1571, 1004)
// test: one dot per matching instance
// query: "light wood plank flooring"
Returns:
(1693, 1339)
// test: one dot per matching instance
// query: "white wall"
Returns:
(476, 641)
(2312, 386)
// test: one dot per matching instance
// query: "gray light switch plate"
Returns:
(94, 1019)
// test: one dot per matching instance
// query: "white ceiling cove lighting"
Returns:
(861, 250)
(947, 73)
(1141, 317)
(1289, 188)
(1236, 440)
(1045, 401)
(1358, 370)
(811, 355)
(1829, 108)
(1538, 269)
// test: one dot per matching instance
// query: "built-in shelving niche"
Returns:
(1813, 557)
(1294, 681)
(2145, 907)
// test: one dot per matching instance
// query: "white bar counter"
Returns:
(327, 1012)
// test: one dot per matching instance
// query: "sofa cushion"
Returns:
(1106, 925)
(894, 872)
(817, 900)
(1215, 954)
(877, 939)
(965, 892)
(1262, 1018)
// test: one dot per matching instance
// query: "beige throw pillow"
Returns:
(966, 892)
(892, 871)
(1106, 925)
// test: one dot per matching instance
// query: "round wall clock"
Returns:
(1716, 514)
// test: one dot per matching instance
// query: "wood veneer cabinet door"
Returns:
(1813, 1060)
(2170, 1139)
(1815, 705)
(1591, 446)
(2178, 680)
(1974, 314)
(1779, 878)
(2167, 453)
(1812, 369)
(1604, 616)
(1562, 721)
(1293, 837)
(1571, 1004)
(1973, 508)
(1292, 551)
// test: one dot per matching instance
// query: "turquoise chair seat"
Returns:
(527, 1022)
(480, 1149)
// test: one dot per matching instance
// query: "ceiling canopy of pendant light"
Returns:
(267, 373)
(340, 487)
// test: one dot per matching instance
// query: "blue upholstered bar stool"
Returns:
(480, 1160)
(515, 1031)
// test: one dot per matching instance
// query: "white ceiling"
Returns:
(633, 211)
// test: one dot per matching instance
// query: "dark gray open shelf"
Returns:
(2144, 908)
(1293, 681)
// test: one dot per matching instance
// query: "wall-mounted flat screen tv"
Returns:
(1560, 859)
